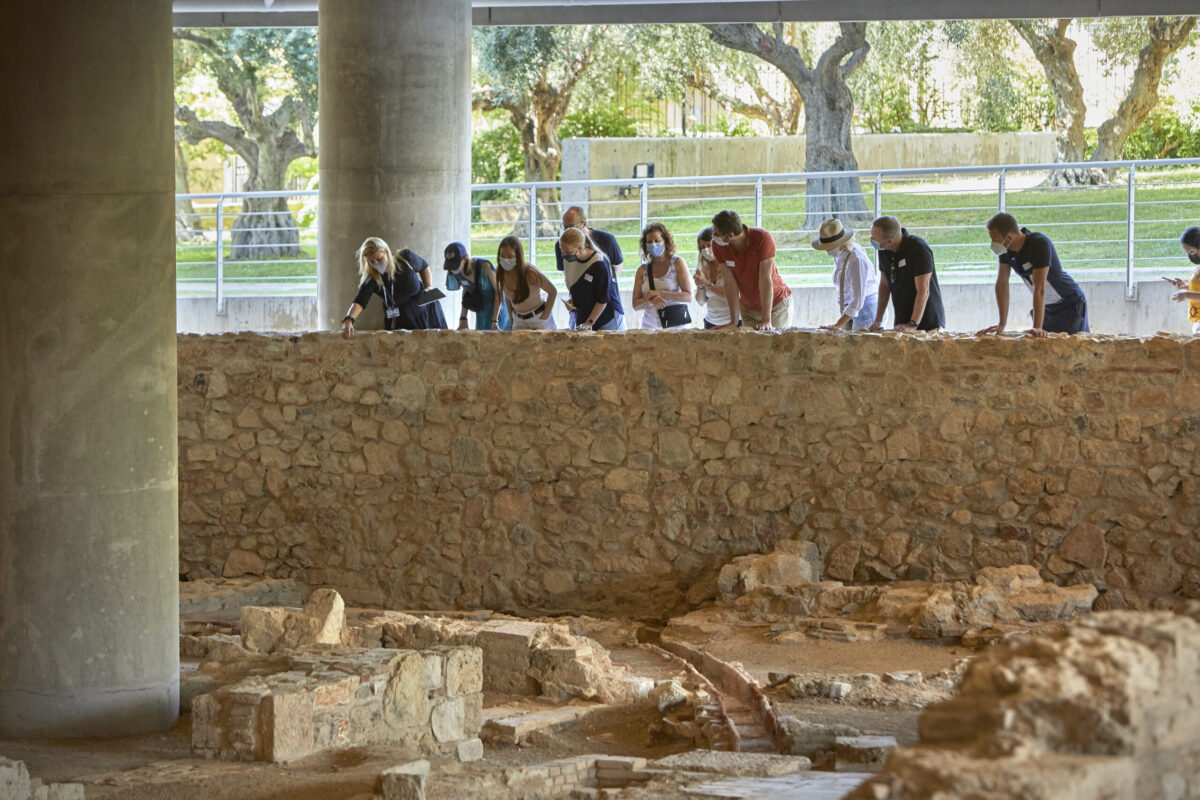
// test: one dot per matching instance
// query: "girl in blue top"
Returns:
(477, 280)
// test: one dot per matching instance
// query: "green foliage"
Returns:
(597, 122)
(279, 61)
(731, 125)
(894, 90)
(1165, 135)
(495, 158)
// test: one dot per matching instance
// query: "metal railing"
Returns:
(1124, 230)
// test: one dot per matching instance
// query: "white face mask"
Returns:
(720, 240)
(706, 252)
(380, 266)
(508, 263)
(656, 249)
(998, 248)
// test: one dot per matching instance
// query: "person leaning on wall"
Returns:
(1059, 305)
(594, 298)
(528, 294)
(853, 275)
(662, 287)
(396, 278)
(1189, 291)
(748, 257)
(909, 279)
(710, 283)
(477, 279)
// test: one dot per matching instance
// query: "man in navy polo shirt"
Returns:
(574, 217)
(909, 279)
(1059, 305)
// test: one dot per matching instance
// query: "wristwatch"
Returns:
(914, 323)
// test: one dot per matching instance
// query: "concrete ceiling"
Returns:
(289, 13)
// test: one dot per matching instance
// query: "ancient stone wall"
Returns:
(617, 473)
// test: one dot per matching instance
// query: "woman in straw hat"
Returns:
(853, 274)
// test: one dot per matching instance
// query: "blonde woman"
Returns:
(395, 277)
(662, 288)
(594, 296)
(710, 283)
(528, 294)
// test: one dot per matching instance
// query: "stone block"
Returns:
(286, 718)
(405, 702)
(14, 780)
(448, 720)
(470, 750)
(404, 782)
(464, 671)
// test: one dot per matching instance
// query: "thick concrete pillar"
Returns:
(89, 592)
(395, 94)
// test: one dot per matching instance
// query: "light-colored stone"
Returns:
(470, 750)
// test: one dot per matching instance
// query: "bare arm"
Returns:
(734, 295)
(1001, 300)
(687, 288)
(348, 324)
(885, 295)
(766, 292)
(548, 287)
(922, 282)
(640, 300)
(1039, 297)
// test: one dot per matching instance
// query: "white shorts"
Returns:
(534, 323)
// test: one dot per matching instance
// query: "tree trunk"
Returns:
(543, 159)
(829, 109)
(187, 221)
(265, 229)
(1056, 53)
(1166, 36)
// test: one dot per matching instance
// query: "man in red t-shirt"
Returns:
(748, 258)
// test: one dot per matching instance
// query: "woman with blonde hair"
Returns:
(594, 296)
(663, 287)
(528, 294)
(395, 277)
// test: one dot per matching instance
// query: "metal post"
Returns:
(1003, 197)
(878, 196)
(532, 225)
(643, 205)
(758, 203)
(220, 256)
(1131, 292)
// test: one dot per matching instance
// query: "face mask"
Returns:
(380, 267)
(572, 258)
(1194, 258)
(656, 249)
(876, 245)
(706, 252)
(723, 241)
(998, 248)
(507, 263)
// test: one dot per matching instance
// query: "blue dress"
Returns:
(483, 317)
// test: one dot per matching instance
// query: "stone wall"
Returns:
(617, 473)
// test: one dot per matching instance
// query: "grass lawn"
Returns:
(1088, 226)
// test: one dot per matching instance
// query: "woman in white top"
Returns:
(528, 293)
(710, 283)
(853, 274)
(672, 281)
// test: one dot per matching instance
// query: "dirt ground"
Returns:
(161, 766)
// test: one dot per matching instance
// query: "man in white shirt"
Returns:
(853, 274)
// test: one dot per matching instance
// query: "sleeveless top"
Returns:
(667, 283)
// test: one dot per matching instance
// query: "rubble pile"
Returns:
(1106, 708)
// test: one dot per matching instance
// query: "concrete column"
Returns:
(395, 94)
(89, 592)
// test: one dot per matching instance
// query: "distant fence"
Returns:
(1125, 230)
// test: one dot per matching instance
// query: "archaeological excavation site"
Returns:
(731, 565)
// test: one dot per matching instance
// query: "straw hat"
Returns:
(832, 235)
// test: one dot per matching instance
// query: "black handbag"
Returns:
(674, 315)
(473, 300)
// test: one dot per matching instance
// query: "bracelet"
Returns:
(347, 317)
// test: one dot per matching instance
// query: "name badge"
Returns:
(392, 313)
(730, 264)
(588, 277)
(1028, 265)
(902, 263)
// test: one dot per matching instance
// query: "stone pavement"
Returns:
(802, 786)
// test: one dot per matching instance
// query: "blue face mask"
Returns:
(656, 249)
(876, 245)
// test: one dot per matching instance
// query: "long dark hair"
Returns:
(512, 242)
